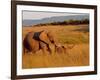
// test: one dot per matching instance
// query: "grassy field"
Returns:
(65, 34)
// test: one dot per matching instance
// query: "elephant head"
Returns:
(60, 49)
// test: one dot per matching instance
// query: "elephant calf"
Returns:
(60, 49)
(63, 49)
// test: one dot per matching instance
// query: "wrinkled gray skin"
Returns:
(34, 41)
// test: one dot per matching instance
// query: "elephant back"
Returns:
(44, 37)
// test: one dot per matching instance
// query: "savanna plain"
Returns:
(77, 35)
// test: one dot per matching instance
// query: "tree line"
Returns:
(66, 22)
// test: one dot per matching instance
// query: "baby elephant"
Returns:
(63, 49)
(60, 49)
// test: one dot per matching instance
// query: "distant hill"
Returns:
(54, 19)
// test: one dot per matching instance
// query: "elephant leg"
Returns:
(44, 50)
(43, 47)
(33, 52)
(55, 49)
(49, 50)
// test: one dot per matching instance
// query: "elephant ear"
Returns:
(43, 37)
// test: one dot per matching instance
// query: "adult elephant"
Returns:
(35, 41)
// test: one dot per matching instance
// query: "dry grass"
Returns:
(71, 34)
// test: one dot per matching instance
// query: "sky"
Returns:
(34, 15)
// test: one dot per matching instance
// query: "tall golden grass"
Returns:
(65, 34)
